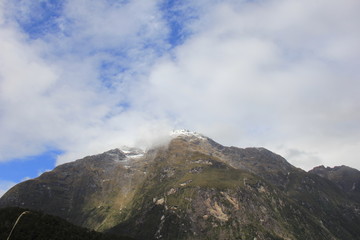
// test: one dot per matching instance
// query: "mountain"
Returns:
(193, 188)
(346, 178)
(40, 226)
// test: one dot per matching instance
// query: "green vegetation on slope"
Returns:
(191, 195)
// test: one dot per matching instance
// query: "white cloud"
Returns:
(24, 79)
(280, 74)
(52, 92)
(268, 74)
(5, 186)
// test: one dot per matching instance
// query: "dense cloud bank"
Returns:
(87, 76)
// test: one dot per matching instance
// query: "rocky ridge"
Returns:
(346, 178)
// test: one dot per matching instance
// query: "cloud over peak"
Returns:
(85, 76)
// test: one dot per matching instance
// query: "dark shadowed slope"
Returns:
(39, 226)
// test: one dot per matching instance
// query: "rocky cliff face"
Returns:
(193, 188)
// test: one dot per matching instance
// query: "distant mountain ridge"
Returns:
(195, 188)
(346, 178)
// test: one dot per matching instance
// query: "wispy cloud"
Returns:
(5, 186)
(98, 74)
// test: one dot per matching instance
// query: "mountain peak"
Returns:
(186, 133)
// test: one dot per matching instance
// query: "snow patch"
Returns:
(187, 133)
(130, 153)
(135, 156)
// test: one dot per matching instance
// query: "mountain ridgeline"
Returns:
(195, 188)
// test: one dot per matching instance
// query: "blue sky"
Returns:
(81, 77)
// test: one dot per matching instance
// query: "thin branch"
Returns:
(17, 220)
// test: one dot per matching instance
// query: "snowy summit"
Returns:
(187, 133)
